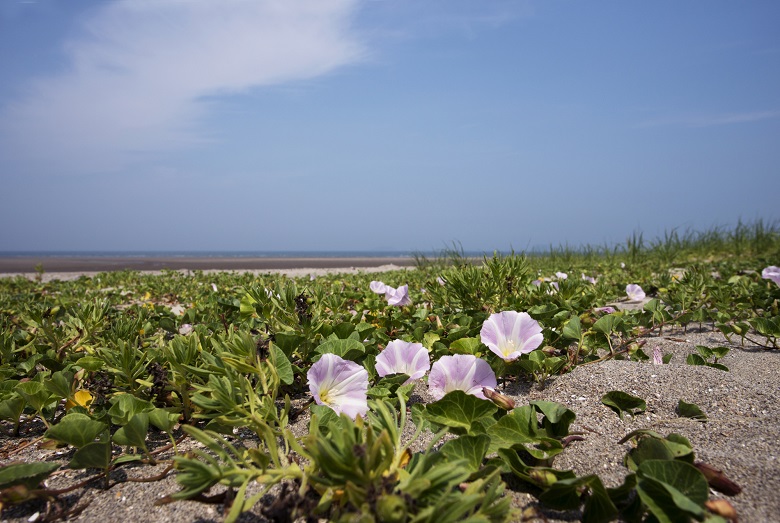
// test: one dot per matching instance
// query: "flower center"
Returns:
(508, 347)
(325, 396)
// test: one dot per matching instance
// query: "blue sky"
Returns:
(390, 125)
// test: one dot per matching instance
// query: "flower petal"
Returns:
(340, 384)
(771, 273)
(378, 287)
(398, 297)
(511, 334)
(635, 292)
(403, 357)
(463, 372)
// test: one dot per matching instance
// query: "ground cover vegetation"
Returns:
(125, 369)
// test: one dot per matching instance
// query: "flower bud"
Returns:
(498, 399)
(722, 508)
(718, 480)
(391, 509)
(542, 478)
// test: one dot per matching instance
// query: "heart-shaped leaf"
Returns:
(458, 410)
(690, 410)
(621, 402)
(76, 429)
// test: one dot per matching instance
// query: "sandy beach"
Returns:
(71, 267)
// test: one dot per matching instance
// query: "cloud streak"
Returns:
(140, 72)
(712, 120)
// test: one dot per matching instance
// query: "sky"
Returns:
(397, 125)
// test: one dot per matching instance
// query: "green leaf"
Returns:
(125, 406)
(470, 448)
(11, 409)
(690, 410)
(348, 349)
(705, 352)
(59, 384)
(518, 427)
(458, 410)
(35, 394)
(288, 342)
(648, 448)
(465, 346)
(606, 324)
(766, 326)
(324, 416)
(343, 330)
(599, 508)
(134, 432)
(557, 418)
(695, 359)
(28, 474)
(573, 329)
(163, 419)
(672, 490)
(282, 364)
(95, 455)
(621, 402)
(90, 363)
(76, 429)
(429, 338)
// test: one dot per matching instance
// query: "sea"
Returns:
(234, 254)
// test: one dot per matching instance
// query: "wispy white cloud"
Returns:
(139, 74)
(710, 120)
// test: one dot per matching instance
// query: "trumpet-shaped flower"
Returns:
(561, 275)
(340, 384)
(771, 273)
(463, 372)
(398, 297)
(589, 279)
(604, 310)
(403, 357)
(635, 292)
(377, 287)
(511, 334)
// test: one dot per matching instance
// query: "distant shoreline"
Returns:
(49, 263)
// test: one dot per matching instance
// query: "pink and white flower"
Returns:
(403, 357)
(377, 287)
(398, 297)
(589, 279)
(463, 372)
(511, 334)
(635, 292)
(771, 273)
(340, 384)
